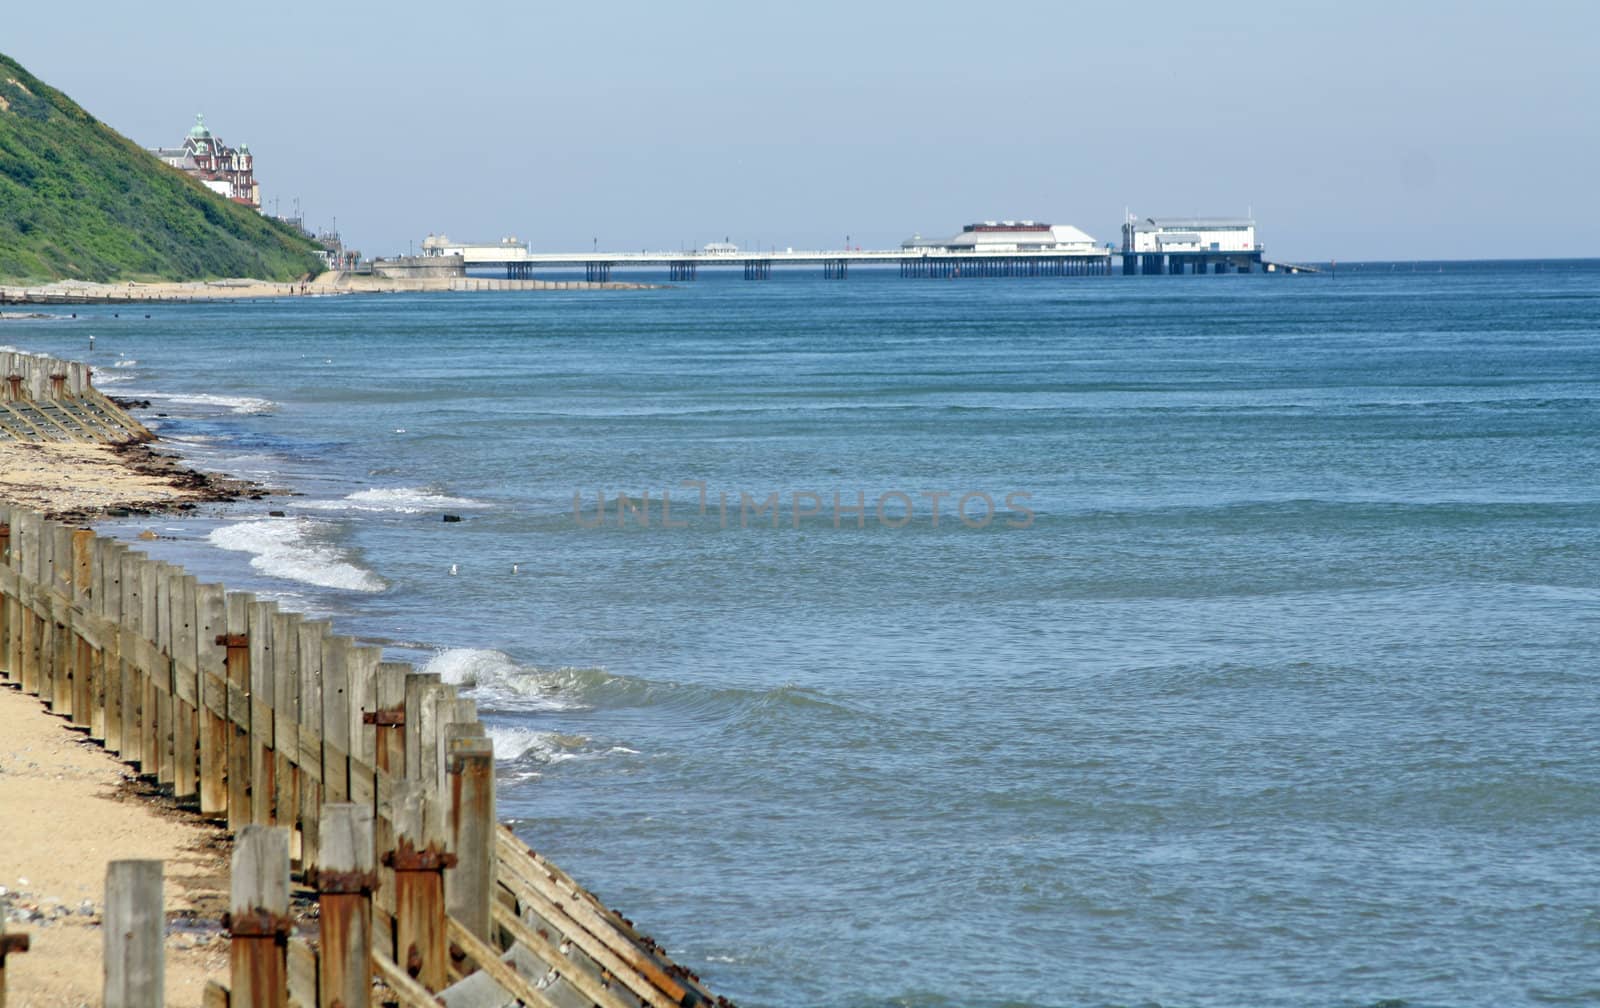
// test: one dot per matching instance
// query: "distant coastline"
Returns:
(333, 282)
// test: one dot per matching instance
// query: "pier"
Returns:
(1189, 246)
(914, 259)
(519, 263)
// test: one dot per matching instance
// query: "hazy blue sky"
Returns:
(1353, 129)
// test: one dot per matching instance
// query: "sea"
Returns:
(1165, 641)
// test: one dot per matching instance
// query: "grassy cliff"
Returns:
(80, 201)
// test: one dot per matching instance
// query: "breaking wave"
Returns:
(397, 500)
(233, 404)
(289, 549)
(499, 679)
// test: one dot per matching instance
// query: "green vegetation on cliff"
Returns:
(80, 201)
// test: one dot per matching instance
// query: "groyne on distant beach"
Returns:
(45, 399)
(72, 452)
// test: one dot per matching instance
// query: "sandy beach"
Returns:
(333, 282)
(81, 291)
(71, 481)
(67, 809)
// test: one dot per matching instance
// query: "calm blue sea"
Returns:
(1273, 682)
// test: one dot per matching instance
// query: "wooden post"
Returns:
(286, 717)
(185, 653)
(469, 886)
(390, 717)
(82, 594)
(446, 704)
(419, 860)
(10, 944)
(335, 719)
(151, 670)
(263, 662)
(345, 878)
(110, 607)
(27, 536)
(236, 641)
(161, 677)
(417, 698)
(134, 931)
(132, 672)
(12, 602)
(309, 759)
(211, 617)
(258, 921)
(60, 654)
(362, 663)
(44, 584)
(6, 595)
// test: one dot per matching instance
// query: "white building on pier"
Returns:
(1156, 235)
(1181, 245)
(1008, 236)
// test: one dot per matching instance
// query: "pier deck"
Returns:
(757, 264)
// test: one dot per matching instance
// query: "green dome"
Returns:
(199, 131)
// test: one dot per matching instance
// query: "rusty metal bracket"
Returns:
(11, 944)
(406, 858)
(342, 883)
(384, 718)
(233, 639)
(259, 924)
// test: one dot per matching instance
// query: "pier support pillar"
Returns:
(679, 271)
(758, 269)
(835, 269)
(597, 272)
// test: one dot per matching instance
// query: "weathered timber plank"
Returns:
(211, 622)
(134, 960)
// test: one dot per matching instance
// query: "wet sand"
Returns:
(77, 482)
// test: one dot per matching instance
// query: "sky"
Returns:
(1350, 130)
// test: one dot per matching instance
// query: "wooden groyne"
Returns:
(365, 781)
(45, 399)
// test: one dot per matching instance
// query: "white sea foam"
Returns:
(500, 679)
(395, 500)
(288, 548)
(512, 743)
(233, 404)
(472, 666)
(111, 377)
(125, 362)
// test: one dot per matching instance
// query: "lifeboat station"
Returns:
(1174, 246)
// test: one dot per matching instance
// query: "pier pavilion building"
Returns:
(1007, 236)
